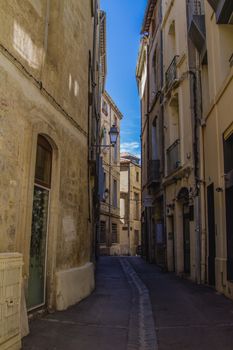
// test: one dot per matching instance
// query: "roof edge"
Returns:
(148, 15)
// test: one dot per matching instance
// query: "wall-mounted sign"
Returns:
(148, 201)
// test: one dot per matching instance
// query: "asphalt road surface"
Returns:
(135, 306)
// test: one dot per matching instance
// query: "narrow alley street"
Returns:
(136, 306)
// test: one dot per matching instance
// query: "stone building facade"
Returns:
(48, 56)
(130, 205)
(196, 135)
(167, 140)
(208, 20)
(109, 228)
(150, 79)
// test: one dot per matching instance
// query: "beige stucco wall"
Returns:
(218, 118)
(110, 214)
(130, 222)
(174, 19)
(44, 90)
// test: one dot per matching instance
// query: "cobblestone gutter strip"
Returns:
(142, 334)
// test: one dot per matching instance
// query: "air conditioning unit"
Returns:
(10, 294)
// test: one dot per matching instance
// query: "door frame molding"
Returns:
(23, 239)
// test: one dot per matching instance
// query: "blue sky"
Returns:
(124, 20)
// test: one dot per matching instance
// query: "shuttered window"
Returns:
(114, 233)
(136, 237)
(228, 154)
(102, 231)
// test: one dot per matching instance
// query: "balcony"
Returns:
(171, 77)
(196, 27)
(153, 172)
(173, 157)
(223, 10)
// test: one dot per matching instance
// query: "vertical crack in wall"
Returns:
(142, 334)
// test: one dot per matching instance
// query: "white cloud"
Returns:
(130, 146)
(138, 155)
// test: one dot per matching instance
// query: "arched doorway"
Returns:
(39, 228)
(183, 198)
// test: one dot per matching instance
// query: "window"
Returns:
(137, 176)
(136, 200)
(174, 119)
(114, 197)
(136, 237)
(114, 233)
(104, 181)
(155, 155)
(115, 152)
(43, 162)
(115, 155)
(104, 187)
(105, 108)
(228, 154)
(102, 231)
(155, 64)
(104, 136)
(122, 209)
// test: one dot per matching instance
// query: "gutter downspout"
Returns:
(148, 210)
(202, 193)
(163, 139)
(96, 201)
(197, 200)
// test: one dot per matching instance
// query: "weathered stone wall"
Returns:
(110, 213)
(52, 40)
(44, 49)
(217, 95)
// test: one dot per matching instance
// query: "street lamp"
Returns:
(113, 134)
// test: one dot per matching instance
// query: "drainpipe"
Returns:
(197, 202)
(95, 111)
(148, 152)
(202, 194)
(163, 139)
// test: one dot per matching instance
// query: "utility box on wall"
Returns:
(10, 294)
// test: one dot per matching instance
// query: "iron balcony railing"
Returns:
(196, 8)
(213, 3)
(223, 10)
(153, 172)
(171, 73)
(196, 27)
(173, 157)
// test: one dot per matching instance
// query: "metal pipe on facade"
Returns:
(148, 213)
(197, 179)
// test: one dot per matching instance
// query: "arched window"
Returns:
(43, 162)
(174, 119)
(40, 209)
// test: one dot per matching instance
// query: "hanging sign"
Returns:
(148, 201)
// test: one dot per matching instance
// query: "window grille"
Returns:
(114, 233)
(102, 231)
